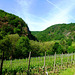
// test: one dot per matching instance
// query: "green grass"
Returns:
(36, 65)
(69, 71)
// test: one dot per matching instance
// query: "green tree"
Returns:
(64, 45)
(22, 47)
(57, 48)
(13, 39)
(5, 46)
(69, 42)
(70, 49)
(35, 48)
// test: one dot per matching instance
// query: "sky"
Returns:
(40, 14)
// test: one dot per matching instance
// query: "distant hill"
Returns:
(56, 32)
(12, 24)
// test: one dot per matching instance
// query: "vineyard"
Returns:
(49, 65)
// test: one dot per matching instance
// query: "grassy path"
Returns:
(69, 71)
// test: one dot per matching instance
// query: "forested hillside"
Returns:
(16, 41)
(12, 24)
(14, 36)
(56, 32)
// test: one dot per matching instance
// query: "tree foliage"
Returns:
(22, 47)
(5, 46)
(12, 24)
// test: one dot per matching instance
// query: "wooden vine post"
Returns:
(1, 64)
(67, 59)
(54, 61)
(71, 58)
(49, 58)
(44, 62)
(28, 72)
(61, 60)
(74, 58)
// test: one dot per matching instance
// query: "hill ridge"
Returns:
(12, 24)
(56, 32)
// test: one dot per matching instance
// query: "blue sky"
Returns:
(40, 14)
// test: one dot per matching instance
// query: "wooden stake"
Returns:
(71, 58)
(49, 58)
(28, 73)
(44, 62)
(1, 64)
(74, 58)
(26, 60)
(61, 60)
(54, 61)
(67, 59)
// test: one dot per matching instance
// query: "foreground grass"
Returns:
(20, 66)
(69, 71)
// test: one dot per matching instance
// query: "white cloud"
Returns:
(62, 14)
(53, 4)
(58, 14)
(34, 22)
(24, 2)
